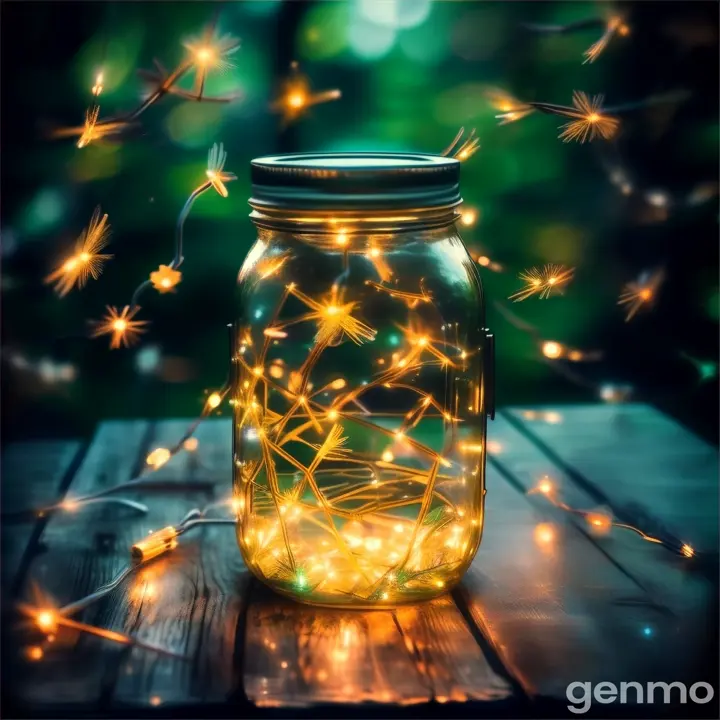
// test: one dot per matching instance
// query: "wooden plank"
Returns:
(32, 473)
(649, 468)
(190, 601)
(82, 554)
(553, 606)
(447, 655)
(299, 655)
(674, 581)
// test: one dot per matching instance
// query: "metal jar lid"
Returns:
(354, 181)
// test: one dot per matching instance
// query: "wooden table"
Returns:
(535, 612)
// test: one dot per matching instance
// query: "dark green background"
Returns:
(540, 200)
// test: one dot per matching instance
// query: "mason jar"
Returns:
(362, 380)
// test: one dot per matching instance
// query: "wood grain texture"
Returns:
(653, 470)
(298, 655)
(682, 589)
(672, 581)
(32, 473)
(187, 602)
(81, 554)
(191, 600)
(555, 608)
(545, 610)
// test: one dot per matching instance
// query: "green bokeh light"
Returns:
(43, 213)
(194, 125)
(324, 31)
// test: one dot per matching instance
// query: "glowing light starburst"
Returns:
(93, 129)
(87, 260)
(210, 52)
(641, 293)
(120, 326)
(510, 108)
(296, 96)
(334, 318)
(614, 25)
(462, 149)
(215, 173)
(543, 281)
(589, 121)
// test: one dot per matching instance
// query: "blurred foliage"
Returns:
(411, 72)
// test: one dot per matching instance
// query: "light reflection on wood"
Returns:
(297, 655)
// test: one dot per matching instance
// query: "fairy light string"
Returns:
(120, 324)
(336, 320)
(601, 521)
(208, 52)
(47, 617)
(612, 21)
(296, 96)
(370, 554)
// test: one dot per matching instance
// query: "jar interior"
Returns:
(359, 414)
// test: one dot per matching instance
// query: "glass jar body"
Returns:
(359, 414)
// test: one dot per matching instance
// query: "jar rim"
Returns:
(354, 181)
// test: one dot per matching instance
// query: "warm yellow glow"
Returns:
(463, 149)
(545, 486)
(216, 175)
(588, 120)
(326, 519)
(35, 653)
(552, 349)
(214, 399)
(87, 261)
(46, 620)
(296, 100)
(544, 534)
(543, 281)
(297, 96)
(600, 523)
(204, 55)
(274, 333)
(97, 88)
(687, 550)
(511, 109)
(165, 278)
(158, 457)
(123, 329)
(155, 544)
(191, 444)
(641, 293)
